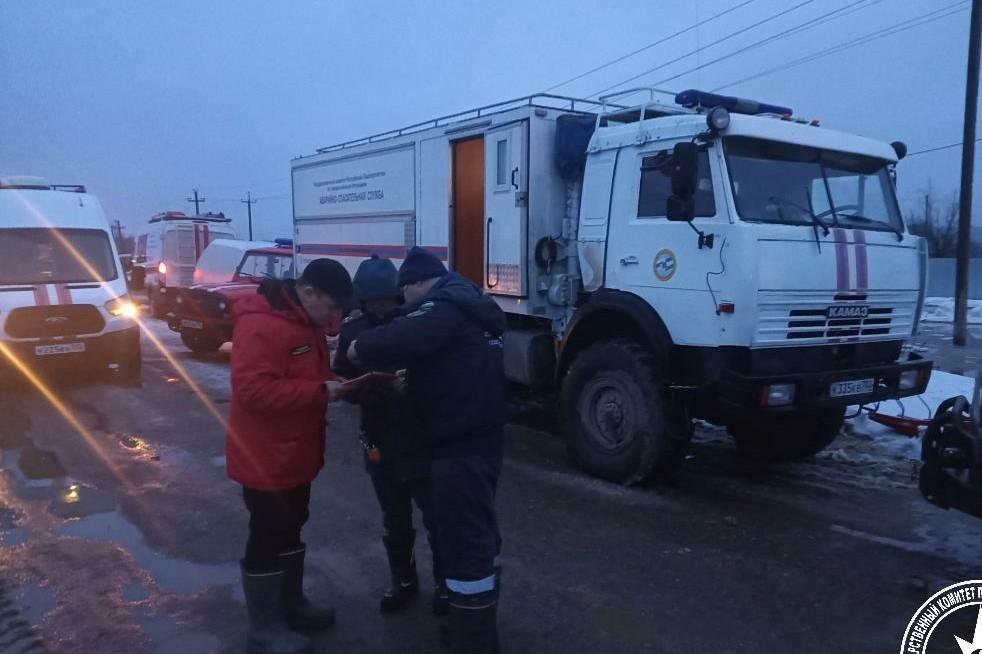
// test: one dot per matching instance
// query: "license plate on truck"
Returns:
(852, 387)
(192, 324)
(59, 348)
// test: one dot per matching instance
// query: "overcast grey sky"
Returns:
(142, 101)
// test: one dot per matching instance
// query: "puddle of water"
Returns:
(171, 574)
(169, 635)
(34, 602)
(13, 537)
(136, 593)
(78, 501)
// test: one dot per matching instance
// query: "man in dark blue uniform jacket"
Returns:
(449, 336)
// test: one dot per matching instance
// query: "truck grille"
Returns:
(199, 304)
(804, 317)
(57, 320)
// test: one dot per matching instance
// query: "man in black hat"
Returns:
(281, 385)
(450, 340)
(393, 457)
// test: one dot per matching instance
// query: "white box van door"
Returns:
(506, 208)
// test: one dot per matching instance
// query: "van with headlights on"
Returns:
(63, 296)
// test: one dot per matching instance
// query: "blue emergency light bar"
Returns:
(692, 98)
(284, 242)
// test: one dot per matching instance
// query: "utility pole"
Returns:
(968, 172)
(249, 202)
(197, 201)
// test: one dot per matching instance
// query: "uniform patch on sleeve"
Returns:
(303, 349)
(421, 310)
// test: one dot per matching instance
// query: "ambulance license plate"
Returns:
(853, 387)
(58, 348)
(192, 324)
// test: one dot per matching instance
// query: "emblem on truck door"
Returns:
(847, 311)
(665, 265)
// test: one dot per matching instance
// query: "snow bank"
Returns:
(942, 309)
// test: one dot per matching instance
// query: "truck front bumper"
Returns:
(82, 355)
(865, 385)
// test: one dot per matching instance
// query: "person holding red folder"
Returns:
(393, 457)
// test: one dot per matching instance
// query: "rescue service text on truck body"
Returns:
(711, 258)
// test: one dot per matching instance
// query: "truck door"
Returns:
(506, 208)
(653, 258)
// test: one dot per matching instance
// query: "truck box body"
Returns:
(789, 288)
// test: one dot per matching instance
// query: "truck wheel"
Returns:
(788, 437)
(156, 308)
(618, 415)
(201, 343)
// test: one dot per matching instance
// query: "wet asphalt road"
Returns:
(121, 533)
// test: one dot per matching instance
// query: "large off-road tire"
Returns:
(620, 420)
(203, 343)
(787, 437)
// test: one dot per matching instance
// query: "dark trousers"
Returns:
(275, 521)
(396, 497)
(463, 489)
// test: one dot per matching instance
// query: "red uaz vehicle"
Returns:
(202, 313)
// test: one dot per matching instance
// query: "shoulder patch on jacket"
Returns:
(422, 309)
(303, 349)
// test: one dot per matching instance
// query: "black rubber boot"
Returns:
(405, 582)
(301, 613)
(441, 596)
(474, 623)
(269, 632)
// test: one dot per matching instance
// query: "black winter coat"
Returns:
(387, 420)
(451, 345)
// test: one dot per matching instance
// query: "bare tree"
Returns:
(937, 222)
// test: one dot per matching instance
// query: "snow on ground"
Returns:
(942, 309)
(866, 438)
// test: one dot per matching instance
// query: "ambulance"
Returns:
(63, 294)
(168, 249)
(660, 258)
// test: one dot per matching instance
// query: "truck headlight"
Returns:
(122, 307)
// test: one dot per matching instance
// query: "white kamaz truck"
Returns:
(706, 257)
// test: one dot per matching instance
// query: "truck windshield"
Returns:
(55, 256)
(784, 183)
(266, 265)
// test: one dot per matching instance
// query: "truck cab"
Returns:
(63, 296)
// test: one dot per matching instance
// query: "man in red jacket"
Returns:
(281, 386)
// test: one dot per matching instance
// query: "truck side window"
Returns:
(656, 186)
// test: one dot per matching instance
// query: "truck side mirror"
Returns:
(685, 169)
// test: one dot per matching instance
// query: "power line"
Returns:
(649, 46)
(896, 28)
(940, 147)
(700, 49)
(811, 23)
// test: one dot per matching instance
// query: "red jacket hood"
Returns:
(257, 303)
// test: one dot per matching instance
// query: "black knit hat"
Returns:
(329, 277)
(420, 265)
(376, 279)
